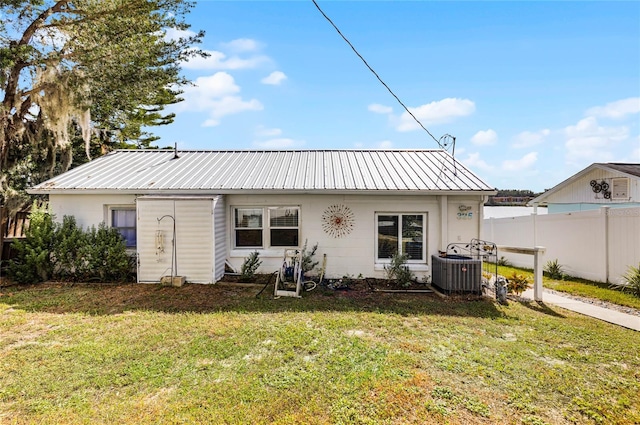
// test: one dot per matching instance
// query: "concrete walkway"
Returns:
(612, 316)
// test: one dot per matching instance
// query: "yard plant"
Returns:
(146, 354)
(64, 251)
(630, 281)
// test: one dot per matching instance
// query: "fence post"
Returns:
(537, 272)
(604, 212)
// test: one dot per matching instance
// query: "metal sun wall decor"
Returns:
(337, 220)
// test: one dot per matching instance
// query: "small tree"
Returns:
(398, 270)
(33, 260)
(250, 266)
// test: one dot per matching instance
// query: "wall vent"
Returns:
(620, 188)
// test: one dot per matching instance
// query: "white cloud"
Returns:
(176, 34)
(262, 131)
(484, 138)
(280, 143)
(274, 79)
(379, 109)
(216, 94)
(616, 110)
(241, 45)
(588, 141)
(436, 112)
(520, 164)
(528, 138)
(218, 60)
(230, 105)
(473, 161)
(206, 90)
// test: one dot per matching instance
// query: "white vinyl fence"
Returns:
(597, 245)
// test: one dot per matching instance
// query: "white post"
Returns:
(537, 272)
(604, 212)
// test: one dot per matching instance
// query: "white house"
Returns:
(601, 184)
(359, 206)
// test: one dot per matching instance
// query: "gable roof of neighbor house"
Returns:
(168, 171)
(630, 170)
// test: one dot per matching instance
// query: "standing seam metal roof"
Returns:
(148, 171)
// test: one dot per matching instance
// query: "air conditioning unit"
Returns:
(457, 274)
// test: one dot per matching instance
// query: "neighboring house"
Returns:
(612, 184)
(359, 206)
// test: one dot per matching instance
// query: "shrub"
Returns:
(250, 266)
(308, 264)
(554, 270)
(399, 271)
(64, 251)
(502, 261)
(106, 254)
(68, 251)
(33, 254)
(630, 281)
(517, 283)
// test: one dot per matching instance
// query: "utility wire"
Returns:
(376, 74)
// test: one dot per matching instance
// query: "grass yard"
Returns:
(147, 354)
(580, 287)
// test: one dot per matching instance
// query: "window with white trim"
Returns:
(281, 228)
(248, 227)
(402, 233)
(124, 220)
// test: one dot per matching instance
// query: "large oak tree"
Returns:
(93, 73)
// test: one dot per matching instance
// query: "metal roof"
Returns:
(160, 171)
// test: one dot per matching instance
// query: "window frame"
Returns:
(400, 215)
(112, 209)
(266, 226)
(237, 228)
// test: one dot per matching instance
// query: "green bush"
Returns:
(250, 266)
(107, 255)
(308, 263)
(630, 281)
(69, 251)
(33, 254)
(554, 270)
(66, 252)
(399, 271)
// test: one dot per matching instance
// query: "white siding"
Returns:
(580, 191)
(354, 253)
(220, 236)
(201, 221)
(89, 210)
(194, 239)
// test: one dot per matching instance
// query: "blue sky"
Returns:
(532, 91)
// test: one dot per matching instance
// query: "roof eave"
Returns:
(140, 192)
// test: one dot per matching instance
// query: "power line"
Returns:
(376, 74)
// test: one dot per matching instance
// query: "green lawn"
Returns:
(580, 287)
(146, 354)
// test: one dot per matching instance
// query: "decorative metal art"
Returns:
(337, 220)
(602, 186)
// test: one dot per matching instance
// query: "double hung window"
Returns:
(124, 220)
